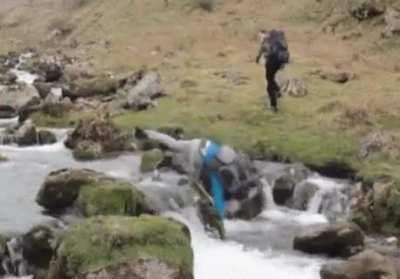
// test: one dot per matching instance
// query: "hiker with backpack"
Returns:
(274, 49)
(228, 176)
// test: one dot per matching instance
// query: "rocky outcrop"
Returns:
(124, 247)
(93, 87)
(17, 97)
(90, 193)
(341, 240)
(27, 134)
(368, 264)
(141, 90)
(98, 134)
(392, 19)
(379, 141)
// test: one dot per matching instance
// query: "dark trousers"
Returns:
(271, 68)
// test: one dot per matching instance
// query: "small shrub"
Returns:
(207, 5)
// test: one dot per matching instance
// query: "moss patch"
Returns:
(3, 158)
(151, 159)
(107, 241)
(110, 199)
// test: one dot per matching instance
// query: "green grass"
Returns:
(3, 158)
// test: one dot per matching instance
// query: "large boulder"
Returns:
(368, 264)
(98, 86)
(17, 97)
(140, 93)
(124, 247)
(27, 134)
(90, 193)
(340, 240)
(38, 246)
(102, 132)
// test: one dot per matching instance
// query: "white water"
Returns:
(257, 249)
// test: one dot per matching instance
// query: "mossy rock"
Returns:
(87, 150)
(110, 198)
(109, 245)
(91, 193)
(38, 246)
(151, 160)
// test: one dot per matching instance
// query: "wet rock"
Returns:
(303, 194)
(90, 193)
(8, 78)
(392, 19)
(43, 88)
(340, 240)
(100, 131)
(27, 134)
(7, 111)
(46, 137)
(38, 246)
(55, 106)
(87, 150)
(368, 264)
(18, 96)
(283, 190)
(285, 183)
(51, 72)
(151, 160)
(334, 76)
(124, 247)
(210, 218)
(141, 95)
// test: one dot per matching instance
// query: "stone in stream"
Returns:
(46, 137)
(7, 111)
(90, 193)
(366, 265)
(124, 247)
(340, 240)
(102, 132)
(18, 97)
(27, 134)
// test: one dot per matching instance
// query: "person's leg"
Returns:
(272, 86)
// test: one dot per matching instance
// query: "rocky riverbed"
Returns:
(92, 203)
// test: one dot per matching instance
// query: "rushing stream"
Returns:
(261, 248)
(253, 249)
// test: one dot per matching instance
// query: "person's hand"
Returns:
(140, 133)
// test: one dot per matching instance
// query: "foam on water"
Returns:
(231, 259)
(23, 76)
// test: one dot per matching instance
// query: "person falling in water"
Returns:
(274, 49)
(229, 177)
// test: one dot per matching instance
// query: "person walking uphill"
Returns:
(274, 49)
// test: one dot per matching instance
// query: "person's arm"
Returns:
(168, 141)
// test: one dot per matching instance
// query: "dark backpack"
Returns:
(279, 52)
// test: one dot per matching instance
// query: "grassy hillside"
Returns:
(201, 54)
